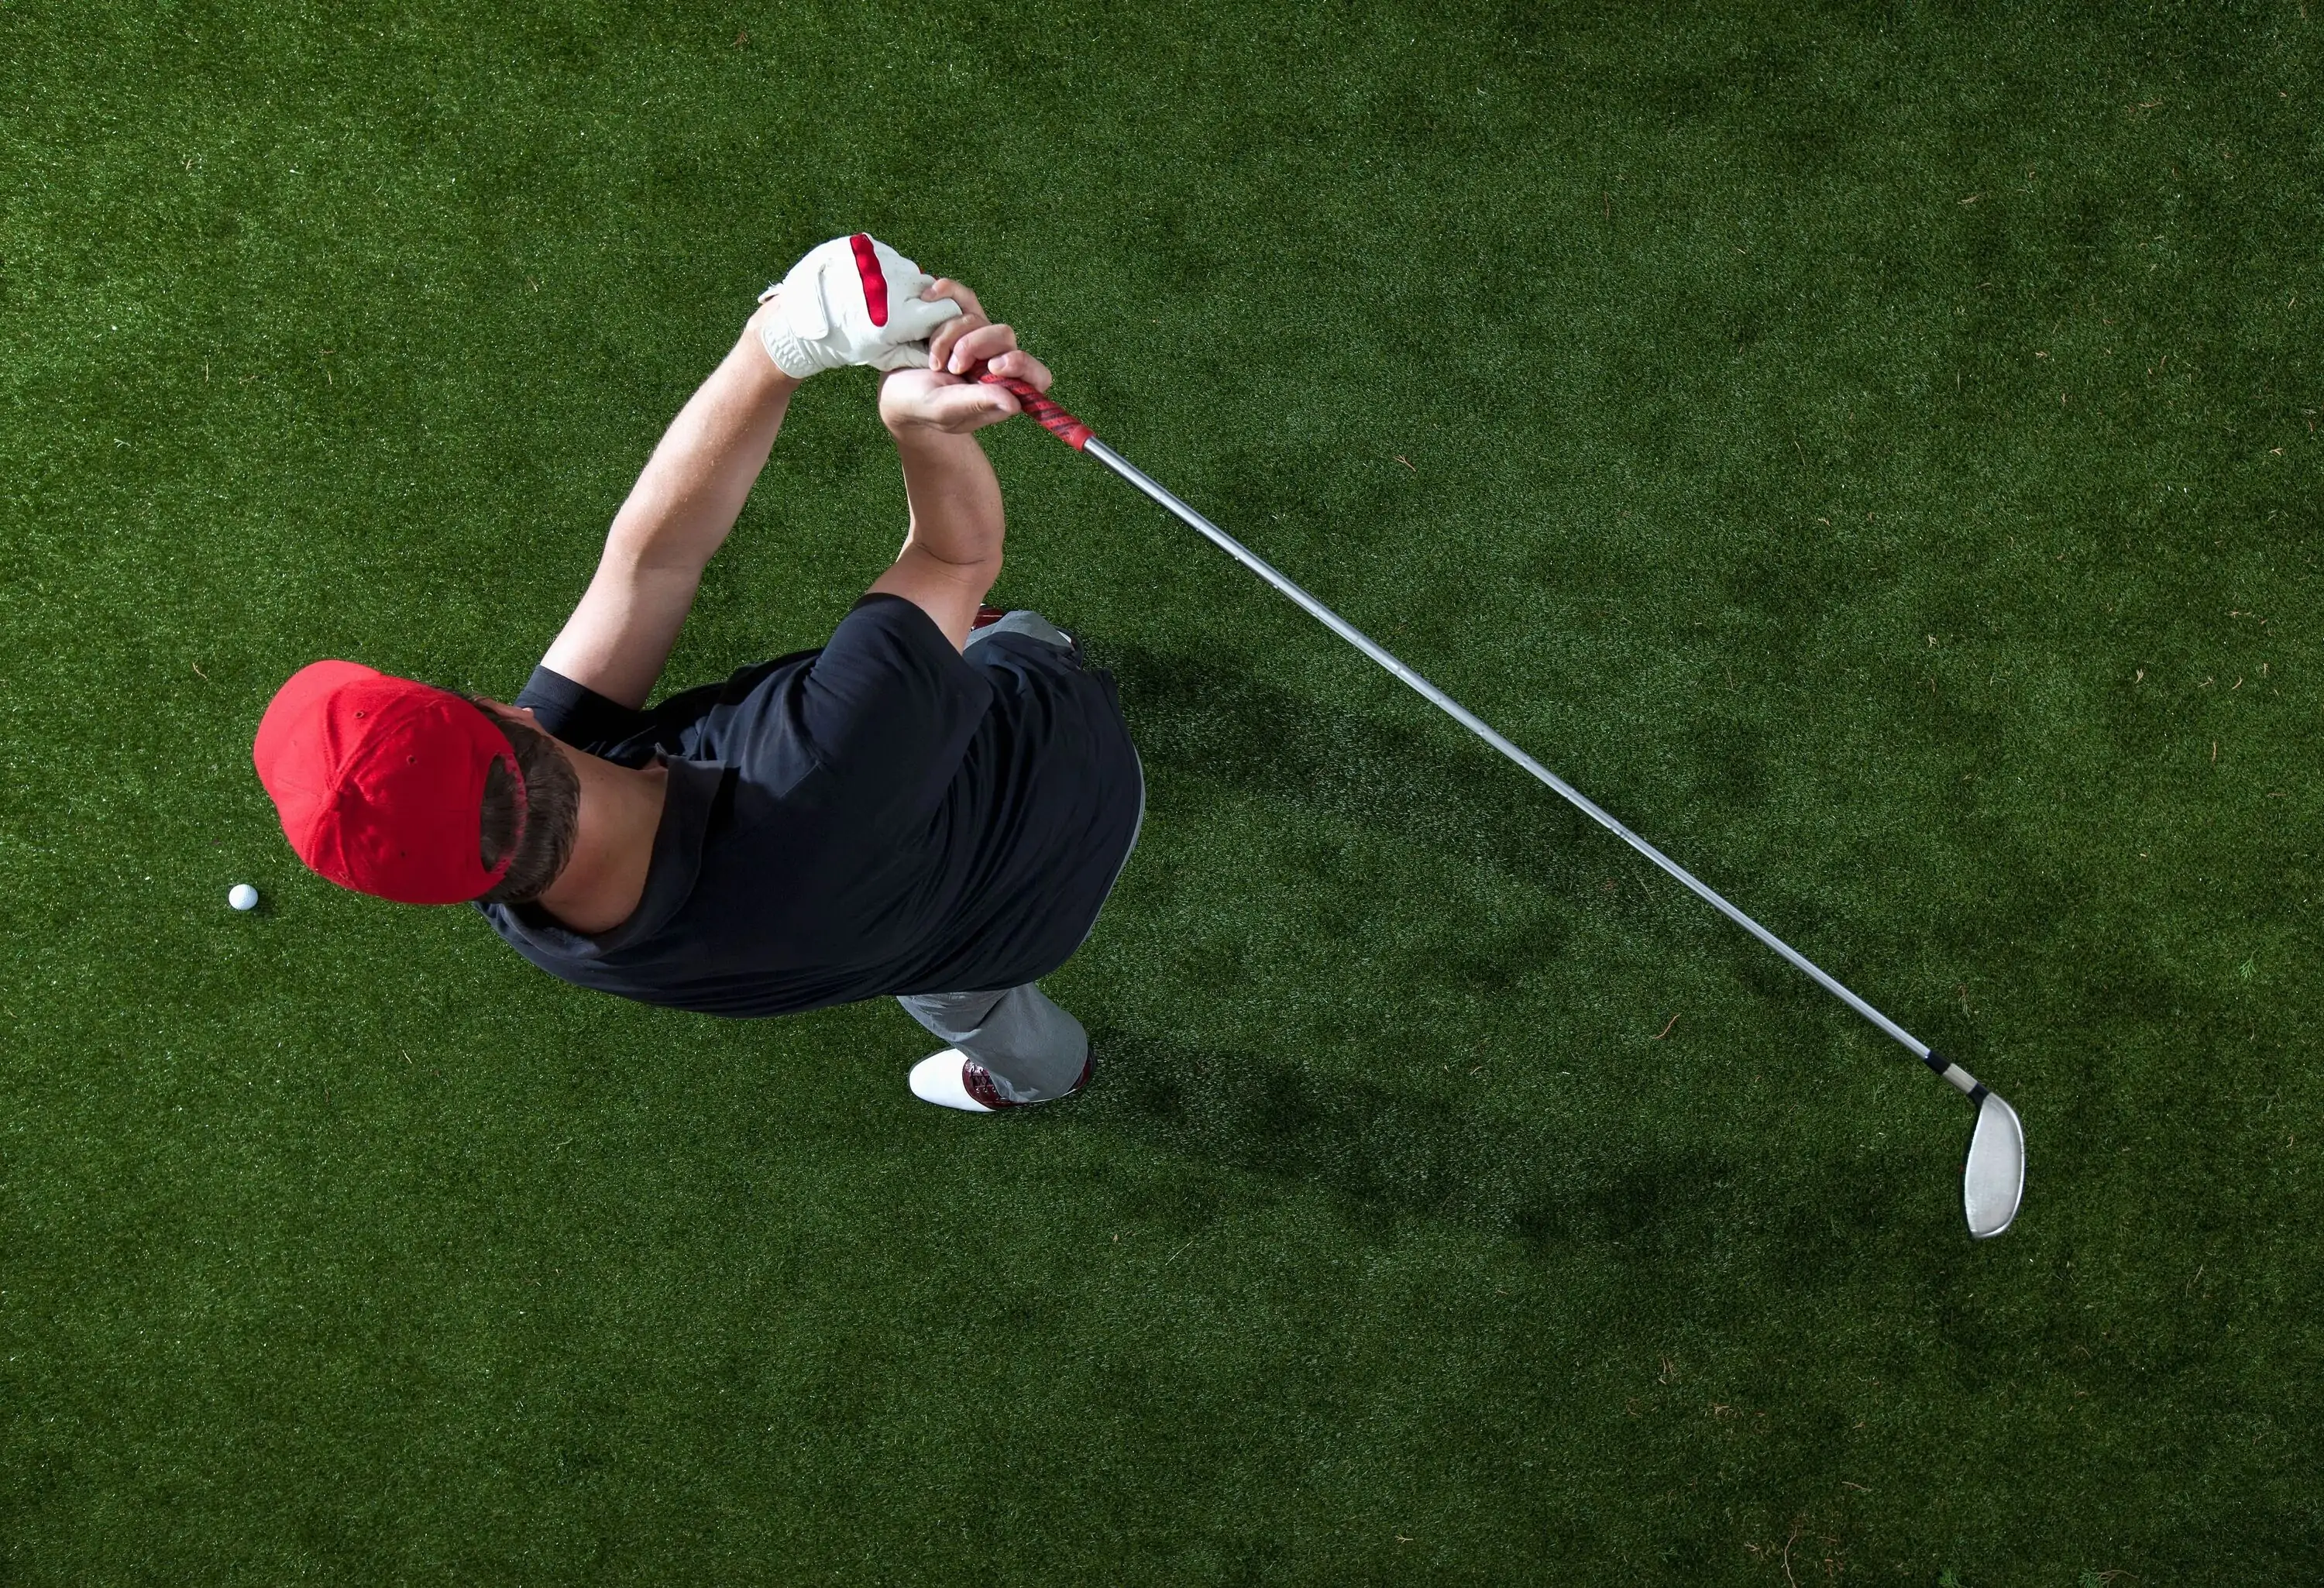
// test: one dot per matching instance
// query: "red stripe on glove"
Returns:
(875, 285)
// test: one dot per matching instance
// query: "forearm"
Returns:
(954, 497)
(677, 516)
(952, 553)
(692, 490)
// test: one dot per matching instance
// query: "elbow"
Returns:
(963, 563)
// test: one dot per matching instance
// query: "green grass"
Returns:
(1872, 449)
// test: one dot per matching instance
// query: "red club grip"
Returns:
(1048, 415)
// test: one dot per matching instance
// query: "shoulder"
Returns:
(685, 724)
(577, 714)
(886, 643)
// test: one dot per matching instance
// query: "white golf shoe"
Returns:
(948, 1080)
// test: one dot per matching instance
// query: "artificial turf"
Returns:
(1873, 449)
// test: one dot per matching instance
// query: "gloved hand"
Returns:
(851, 301)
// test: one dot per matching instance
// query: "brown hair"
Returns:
(538, 822)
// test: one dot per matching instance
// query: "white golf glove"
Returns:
(851, 301)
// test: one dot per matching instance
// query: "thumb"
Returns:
(900, 355)
(971, 405)
(914, 318)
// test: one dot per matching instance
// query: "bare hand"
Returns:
(943, 397)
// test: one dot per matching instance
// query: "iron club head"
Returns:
(1994, 1180)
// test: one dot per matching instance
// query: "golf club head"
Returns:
(1993, 1181)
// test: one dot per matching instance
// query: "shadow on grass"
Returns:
(1557, 1184)
(1387, 1152)
(1386, 1148)
(1212, 718)
(1208, 724)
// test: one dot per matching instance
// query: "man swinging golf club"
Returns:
(933, 805)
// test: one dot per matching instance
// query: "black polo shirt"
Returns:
(883, 815)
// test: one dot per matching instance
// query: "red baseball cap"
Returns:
(380, 781)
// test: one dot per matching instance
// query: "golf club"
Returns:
(1993, 1177)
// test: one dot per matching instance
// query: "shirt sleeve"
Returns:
(578, 713)
(889, 708)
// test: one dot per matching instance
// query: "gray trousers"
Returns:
(1033, 1049)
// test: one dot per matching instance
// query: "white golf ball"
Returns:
(242, 896)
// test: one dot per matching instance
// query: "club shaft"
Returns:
(1483, 730)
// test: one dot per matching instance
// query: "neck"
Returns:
(613, 843)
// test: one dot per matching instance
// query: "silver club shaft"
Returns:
(1468, 719)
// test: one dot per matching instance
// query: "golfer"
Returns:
(933, 805)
